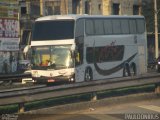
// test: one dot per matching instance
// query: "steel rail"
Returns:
(22, 88)
(14, 77)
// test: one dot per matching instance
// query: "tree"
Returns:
(148, 12)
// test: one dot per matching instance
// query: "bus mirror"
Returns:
(26, 49)
(73, 47)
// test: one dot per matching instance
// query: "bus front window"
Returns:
(51, 57)
(54, 30)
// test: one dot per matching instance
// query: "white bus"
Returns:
(88, 47)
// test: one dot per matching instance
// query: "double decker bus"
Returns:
(88, 47)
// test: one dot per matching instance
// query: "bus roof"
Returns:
(74, 17)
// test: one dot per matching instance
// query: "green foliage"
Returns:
(148, 12)
(9, 109)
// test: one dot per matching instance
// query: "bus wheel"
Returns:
(133, 70)
(126, 71)
(88, 74)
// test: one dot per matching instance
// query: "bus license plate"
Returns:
(51, 80)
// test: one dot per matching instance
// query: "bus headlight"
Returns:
(35, 74)
(71, 79)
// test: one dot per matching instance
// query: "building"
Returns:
(31, 9)
(9, 36)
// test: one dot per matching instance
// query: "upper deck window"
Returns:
(124, 26)
(53, 30)
(116, 26)
(99, 29)
(132, 25)
(140, 26)
(108, 26)
(90, 27)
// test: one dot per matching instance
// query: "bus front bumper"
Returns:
(57, 79)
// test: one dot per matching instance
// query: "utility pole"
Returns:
(81, 8)
(156, 29)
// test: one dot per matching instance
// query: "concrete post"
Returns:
(21, 108)
(157, 88)
(156, 29)
(94, 96)
(41, 8)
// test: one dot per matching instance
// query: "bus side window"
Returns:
(79, 28)
(79, 38)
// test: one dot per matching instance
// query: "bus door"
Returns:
(79, 51)
(141, 53)
(79, 69)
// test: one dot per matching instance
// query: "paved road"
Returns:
(149, 108)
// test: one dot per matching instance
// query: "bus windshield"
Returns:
(53, 30)
(51, 57)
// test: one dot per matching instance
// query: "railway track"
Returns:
(33, 88)
(27, 94)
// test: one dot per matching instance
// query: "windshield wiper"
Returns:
(55, 66)
(52, 66)
(60, 65)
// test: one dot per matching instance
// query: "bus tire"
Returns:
(88, 76)
(126, 71)
(133, 70)
(158, 70)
